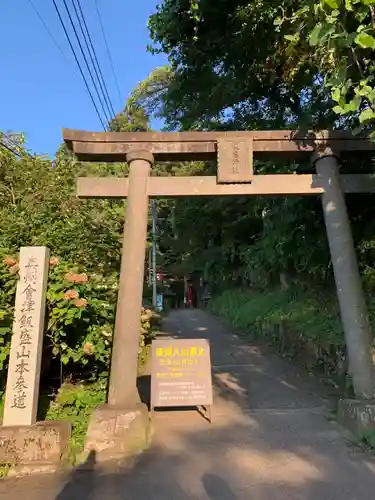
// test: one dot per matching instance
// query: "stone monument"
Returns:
(23, 441)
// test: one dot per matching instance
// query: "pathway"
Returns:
(270, 439)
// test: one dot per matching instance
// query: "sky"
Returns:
(41, 92)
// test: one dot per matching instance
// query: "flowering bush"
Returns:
(79, 317)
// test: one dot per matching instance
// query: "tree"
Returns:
(133, 118)
(265, 63)
(150, 94)
(233, 68)
(338, 36)
(261, 65)
(38, 207)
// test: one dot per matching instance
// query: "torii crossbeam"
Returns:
(234, 177)
(234, 152)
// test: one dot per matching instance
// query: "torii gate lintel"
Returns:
(170, 146)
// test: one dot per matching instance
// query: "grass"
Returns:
(75, 404)
(299, 324)
(4, 468)
(317, 317)
(369, 440)
(143, 357)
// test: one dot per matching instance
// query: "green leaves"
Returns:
(367, 115)
(365, 41)
(341, 35)
(320, 33)
(293, 38)
(315, 34)
(79, 316)
(65, 359)
(334, 4)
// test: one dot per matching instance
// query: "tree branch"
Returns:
(372, 10)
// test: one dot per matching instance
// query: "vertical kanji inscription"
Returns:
(21, 398)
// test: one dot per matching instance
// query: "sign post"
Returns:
(181, 374)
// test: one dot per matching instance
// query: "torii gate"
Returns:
(234, 152)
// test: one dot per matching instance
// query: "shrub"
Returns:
(79, 318)
(75, 404)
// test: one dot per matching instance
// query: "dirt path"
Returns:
(270, 439)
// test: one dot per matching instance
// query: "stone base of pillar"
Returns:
(357, 416)
(117, 433)
(35, 448)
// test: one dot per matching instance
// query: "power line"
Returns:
(85, 59)
(77, 61)
(7, 148)
(100, 96)
(97, 67)
(105, 89)
(12, 143)
(24, 154)
(54, 39)
(48, 30)
(108, 51)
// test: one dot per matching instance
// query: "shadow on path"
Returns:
(216, 487)
(85, 471)
(269, 439)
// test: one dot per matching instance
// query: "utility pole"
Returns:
(149, 256)
(154, 221)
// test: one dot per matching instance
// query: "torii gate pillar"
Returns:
(348, 282)
(124, 362)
